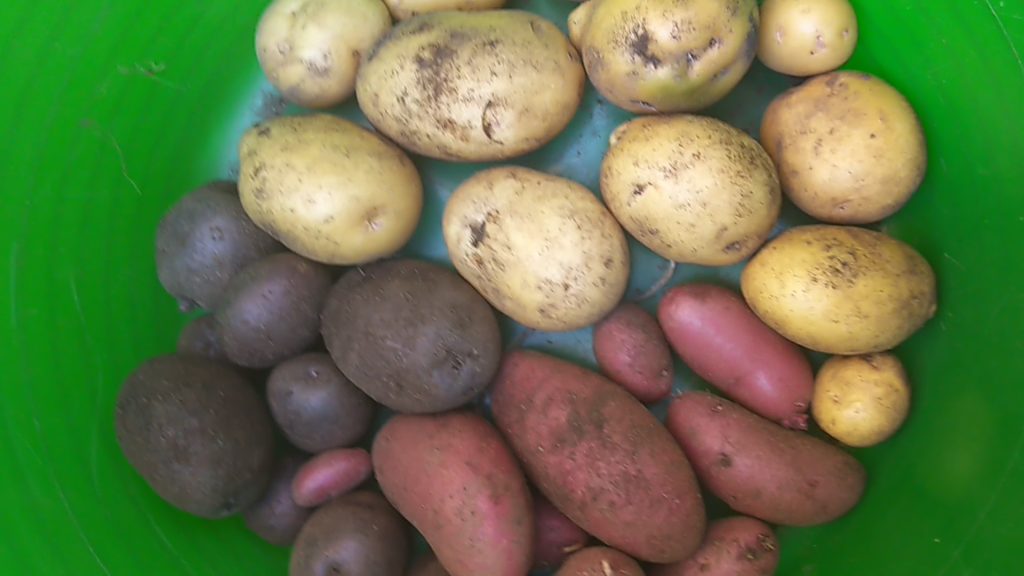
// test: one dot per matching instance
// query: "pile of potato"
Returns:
(507, 459)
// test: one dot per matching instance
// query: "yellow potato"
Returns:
(328, 189)
(692, 189)
(840, 289)
(310, 49)
(405, 9)
(806, 37)
(848, 146)
(659, 56)
(472, 86)
(541, 249)
(861, 400)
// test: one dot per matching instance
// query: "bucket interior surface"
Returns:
(113, 110)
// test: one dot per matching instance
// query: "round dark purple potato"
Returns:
(272, 310)
(203, 241)
(276, 517)
(198, 433)
(415, 337)
(356, 534)
(316, 406)
(200, 338)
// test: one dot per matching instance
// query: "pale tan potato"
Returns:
(691, 188)
(849, 148)
(806, 37)
(329, 189)
(310, 49)
(840, 289)
(541, 249)
(405, 9)
(861, 400)
(472, 86)
(660, 56)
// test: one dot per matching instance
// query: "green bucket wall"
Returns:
(111, 110)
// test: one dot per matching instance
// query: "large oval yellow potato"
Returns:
(310, 49)
(692, 189)
(849, 147)
(840, 289)
(659, 56)
(806, 37)
(541, 249)
(472, 86)
(405, 9)
(861, 400)
(329, 189)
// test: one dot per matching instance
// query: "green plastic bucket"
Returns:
(111, 110)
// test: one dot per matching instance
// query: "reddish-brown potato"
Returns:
(759, 468)
(600, 561)
(452, 476)
(599, 456)
(734, 546)
(329, 475)
(631, 350)
(555, 536)
(725, 343)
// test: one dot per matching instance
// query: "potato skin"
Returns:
(454, 478)
(716, 334)
(329, 475)
(405, 9)
(310, 49)
(806, 37)
(840, 289)
(472, 86)
(329, 189)
(600, 561)
(631, 349)
(861, 400)
(691, 188)
(761, 469)
(540, 248)
(734, 546)
(599, 456)
(662, 56)
(849, 148)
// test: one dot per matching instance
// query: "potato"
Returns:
(692, 189)
(454, 478)
(849, 148)
(472, 86)
(806, 37)
(861, 400)
(329, 189)
(661, 56)
(761, 469)
(276, 518)
(329, 475)
(840, 289)
(599, 456)
(540, 248)
(310, 49)
(555, 536)
(631, 349)
(600, 561)
(717, 336)
(405, 9)
(734, 546)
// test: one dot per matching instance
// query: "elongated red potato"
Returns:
(453, 477)
(329, 475)
(599, 456)
(762, 469)
(724, 342)
(631, 350)
(734, 546)
(556, 537)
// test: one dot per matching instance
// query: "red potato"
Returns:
(600, 561)
(762, 469)
(452, 476)
(735, 546)
(599, 456)
(329, 475)
(555, 536)
(724, 342)
(631, 350)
